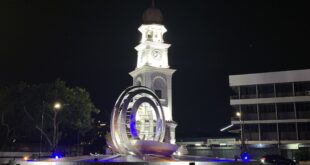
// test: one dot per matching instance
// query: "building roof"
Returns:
(270, 77)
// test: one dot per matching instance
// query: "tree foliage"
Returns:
(23, 107)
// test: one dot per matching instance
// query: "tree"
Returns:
(33, 108)
(6, 112)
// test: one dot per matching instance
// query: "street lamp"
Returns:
(243, 147)
(56, 107)
(238, 114)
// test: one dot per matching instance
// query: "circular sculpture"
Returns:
(137, 115)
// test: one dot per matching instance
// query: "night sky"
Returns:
(91, 44)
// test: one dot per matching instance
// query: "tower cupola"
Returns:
(152, 16)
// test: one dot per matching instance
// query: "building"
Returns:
(153, 69)
(273, 109)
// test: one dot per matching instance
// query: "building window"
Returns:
(149, 35)
(302, 88)
(268, 132)
(287, 131)
(304, 131)
(265, 90)
(303, 110)
(251, 132)
(235, 93)
(160, 88)
(158, 93)
(284, 90)
(138, 81)
(285, 111)
(249, 112)
(247, 92)
(267, 112)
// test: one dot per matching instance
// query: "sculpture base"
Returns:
(144, 147)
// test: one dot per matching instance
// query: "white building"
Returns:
(152, 68)
(274, 108)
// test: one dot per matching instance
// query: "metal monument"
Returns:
(138, 123)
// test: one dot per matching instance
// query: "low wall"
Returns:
(6, 157)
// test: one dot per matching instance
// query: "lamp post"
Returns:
(238, 114)
(243, 146)
(56, 107)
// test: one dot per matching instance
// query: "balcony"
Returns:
(269, 100)
(270, 121)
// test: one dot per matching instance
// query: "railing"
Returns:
(234, 97)
(286, 94)
(235, 119)
(270, 95)
(266, 95)
(302, 93)
(248, 96)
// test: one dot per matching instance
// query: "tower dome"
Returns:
(152, 16)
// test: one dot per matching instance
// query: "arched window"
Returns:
(160, 87)
(138, 81)
(149, 36)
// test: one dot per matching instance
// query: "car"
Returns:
(276, 159)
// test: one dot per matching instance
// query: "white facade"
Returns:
(270, 77)
(274, 106)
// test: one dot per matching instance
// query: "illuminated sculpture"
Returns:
(138, 123)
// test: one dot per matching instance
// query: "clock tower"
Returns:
(152, 68)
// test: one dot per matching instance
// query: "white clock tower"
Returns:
(153, 69)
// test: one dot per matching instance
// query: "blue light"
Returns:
(133, 130)
(56, 155)
(245, 156)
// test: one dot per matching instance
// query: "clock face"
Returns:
(157, 54)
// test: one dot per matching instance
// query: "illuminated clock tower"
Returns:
(153, 69)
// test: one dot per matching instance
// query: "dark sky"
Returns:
(91, 44)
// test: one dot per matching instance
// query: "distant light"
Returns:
(179, 153)
(25, 158)
(238, 114)
(197, 144)
(57, 105)
(103, 124)
(56, 157)
(223, 144)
